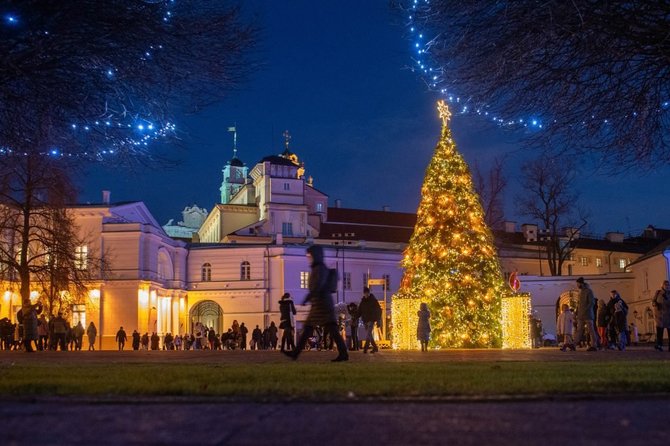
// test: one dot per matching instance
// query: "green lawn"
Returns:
(331, 382)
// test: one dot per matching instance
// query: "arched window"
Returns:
(245, 271)
(206, 272)
(165, 269)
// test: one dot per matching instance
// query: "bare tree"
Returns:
(490, 186)
(91, 80)
(40, 247)
(548, 197)
(592, 71)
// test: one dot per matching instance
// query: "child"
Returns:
(564, 327)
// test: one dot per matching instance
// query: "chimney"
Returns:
(529, 232)
(338, 203)
(510, 226)
(105, 196)
(614, 237)
(386, 208)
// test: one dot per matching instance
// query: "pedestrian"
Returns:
(603, 316)
(78, 333)
(286, 322)
(634, 334)
(145, 341)
(618, 319)
(355, 316)
(136, 340)
(272, 335)
(564, 326)
(585, 314)
(42, 333)
(371, 313)
(243, 336)
(121, 338)
(661, 305)
(198, 331)
(59, 328)
(423, 326)
(30, 324)
(322, 310)
(91, 332)
(256, 337)
(154, 341)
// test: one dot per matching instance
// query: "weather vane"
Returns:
(443, 110)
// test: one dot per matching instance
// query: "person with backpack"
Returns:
(618, 319)
(322, 310)
(371, 314)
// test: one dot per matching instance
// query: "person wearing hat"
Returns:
(585, 314)
(287, 311)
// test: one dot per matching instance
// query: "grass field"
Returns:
(279, 381)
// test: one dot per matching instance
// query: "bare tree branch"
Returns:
(595, 73)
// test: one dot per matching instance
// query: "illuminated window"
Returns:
(599, 262)
(319, 207)
(245, 271)
(79, 314)
(584, 261)
(81, 257)
(206, 272)
(622, 263)
(304, 279)
(346, 281)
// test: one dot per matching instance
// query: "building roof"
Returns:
(278, 160)
(368, 217)
(360, 224)
(236, 162)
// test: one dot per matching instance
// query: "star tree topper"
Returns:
(443, 110)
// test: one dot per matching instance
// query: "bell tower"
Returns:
(234, 173)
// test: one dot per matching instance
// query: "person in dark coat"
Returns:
(30, 328)
(121, 337)
(154, 341)
(272, 336)
(371, 313)
(423, 326)
(661, 305)
(355, 314)
(287, 311)
(322, 310)
(256, 337)
(136, 340)
(92, 332)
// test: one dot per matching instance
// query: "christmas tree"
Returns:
(451, 261)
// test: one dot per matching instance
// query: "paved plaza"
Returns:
(506, 420)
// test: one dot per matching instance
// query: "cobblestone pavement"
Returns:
(545, 423)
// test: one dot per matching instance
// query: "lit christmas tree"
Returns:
(451, 262)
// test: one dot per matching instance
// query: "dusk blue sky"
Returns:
(335, 75)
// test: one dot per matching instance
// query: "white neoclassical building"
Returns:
(249, 250)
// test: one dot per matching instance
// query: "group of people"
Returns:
(604, 325)
(32, 332)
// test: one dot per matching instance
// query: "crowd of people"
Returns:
(33, 332)
(600, 325)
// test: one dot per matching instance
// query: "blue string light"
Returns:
(142, 130)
